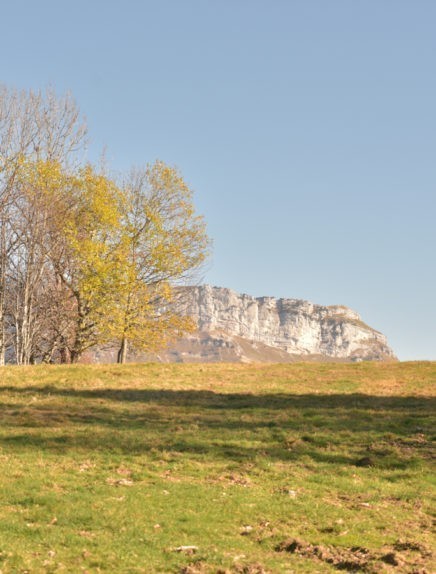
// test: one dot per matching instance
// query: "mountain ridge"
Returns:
(289, 329)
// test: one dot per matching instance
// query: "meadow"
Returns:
(217, 468)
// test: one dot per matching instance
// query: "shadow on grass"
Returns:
(213, 400)
(328, 428)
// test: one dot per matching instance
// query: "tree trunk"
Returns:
(2, 291)
(64, 352)
(122, 353)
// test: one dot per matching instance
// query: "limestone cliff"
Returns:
(238, 327)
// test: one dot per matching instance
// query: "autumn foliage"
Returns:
(85, 258)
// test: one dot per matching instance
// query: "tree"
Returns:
(93, 257)
(81, 250)
(37, 126)
(27, 266)
(164, 243)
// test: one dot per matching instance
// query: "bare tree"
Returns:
(33, 126)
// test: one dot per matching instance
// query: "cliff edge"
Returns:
(239, 327)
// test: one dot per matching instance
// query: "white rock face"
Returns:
(291, 325)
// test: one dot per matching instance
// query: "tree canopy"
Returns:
(86, 258)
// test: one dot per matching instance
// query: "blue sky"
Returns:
(307, 130)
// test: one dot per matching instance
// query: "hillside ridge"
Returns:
(239, 327)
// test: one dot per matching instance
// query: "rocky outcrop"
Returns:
(239, 327)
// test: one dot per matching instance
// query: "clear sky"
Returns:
(306, 128)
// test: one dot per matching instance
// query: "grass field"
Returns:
(259, 468)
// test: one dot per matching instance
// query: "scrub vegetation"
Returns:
(216, 468)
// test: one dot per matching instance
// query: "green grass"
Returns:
(263, 468)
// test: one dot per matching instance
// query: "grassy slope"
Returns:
(109, 469)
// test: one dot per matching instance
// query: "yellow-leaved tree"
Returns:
(81, 252)
(110, 258)
(93, 255)
(164, 245)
